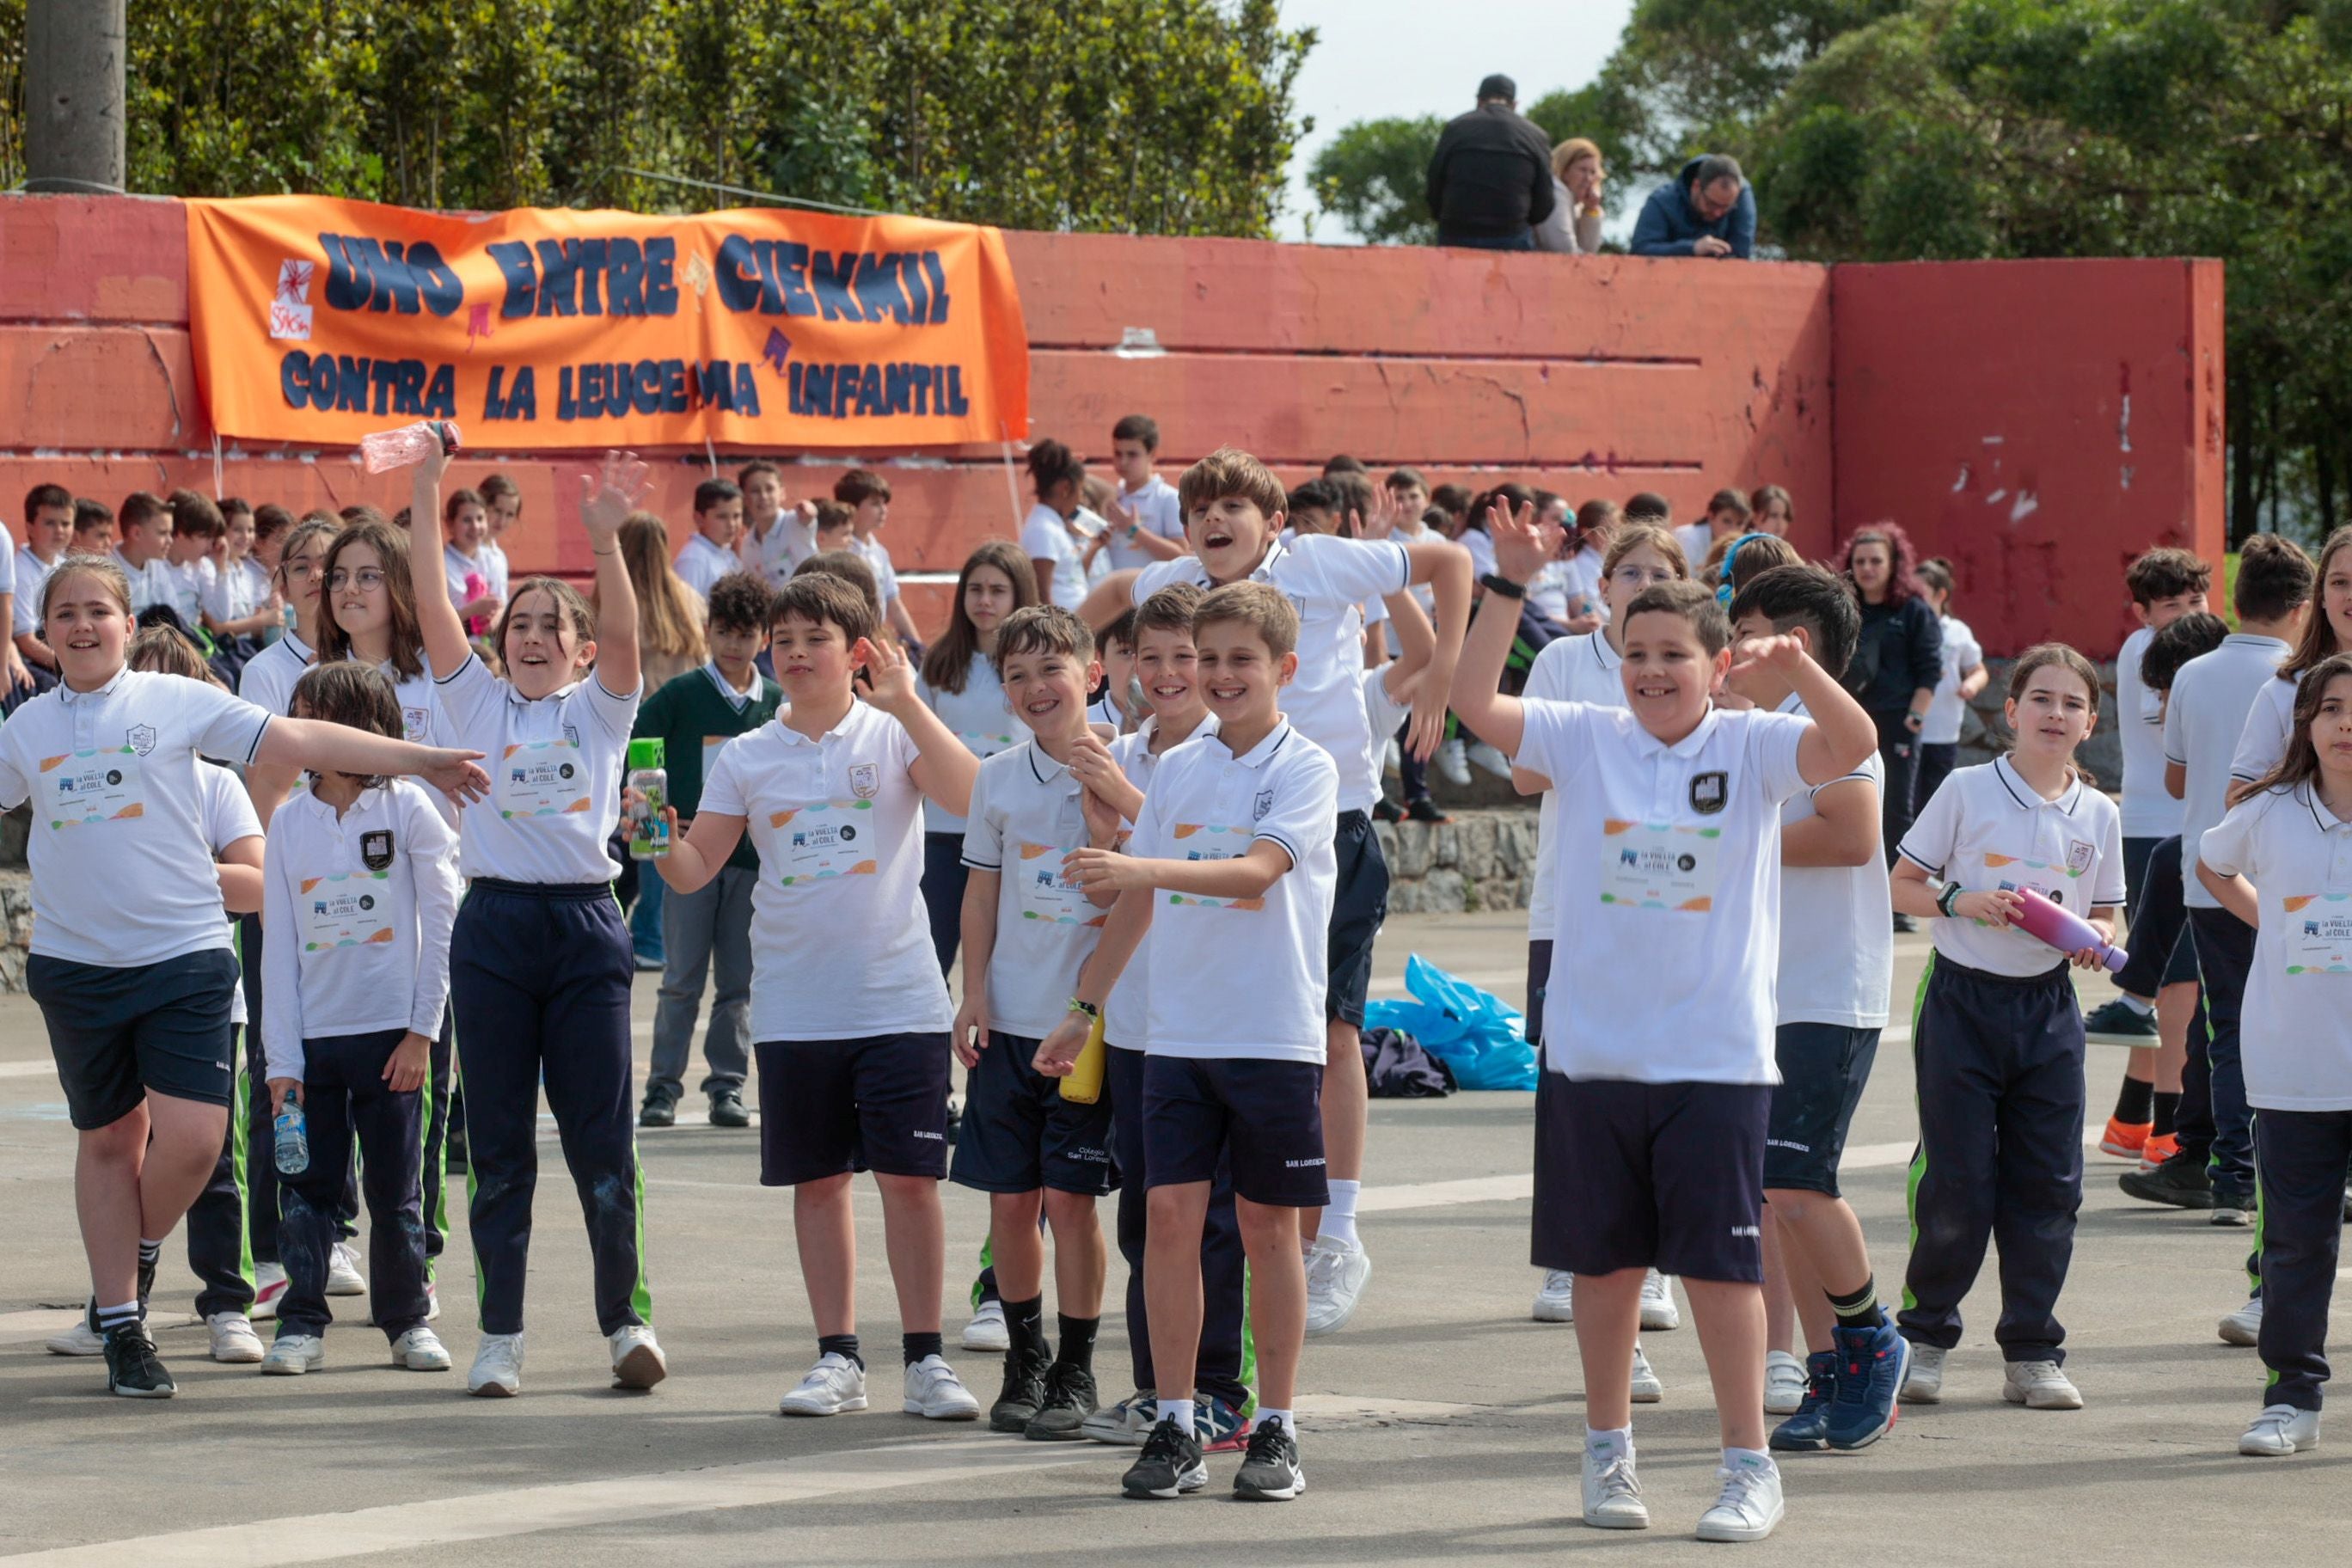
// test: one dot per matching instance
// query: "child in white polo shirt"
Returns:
(1230, 871)
(1997, 1036)
(853, 1056)
(1668, 862)
(2282, 861)
(709, 554)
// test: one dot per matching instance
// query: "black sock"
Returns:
(2134, 1104)
(1859, 1310)
(915, 1347)
(1025, 1323)
(1078, 1341)
(2167, 1106)
(841, 1345)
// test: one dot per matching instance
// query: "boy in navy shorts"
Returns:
(1668, 862)
(1228, 876)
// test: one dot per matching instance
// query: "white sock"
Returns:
(1265, 1415)
(1179, 1411)
(1605, 1442)
(126, 1313)
(2144, 1009)
(1748, 1459)
(1339, 1214)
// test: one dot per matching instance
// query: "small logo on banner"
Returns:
(1710, 791)
(865, 780)
(290, 305)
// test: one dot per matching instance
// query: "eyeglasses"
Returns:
(369, 579)
(1641, 576)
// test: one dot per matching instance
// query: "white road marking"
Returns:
(28, 1070)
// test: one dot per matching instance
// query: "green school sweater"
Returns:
(692, 721)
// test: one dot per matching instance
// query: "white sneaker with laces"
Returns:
(1612, 1492)
(1923, 1383)
(268, 1288)
(2039, 1386)
(834, 1385)
(1647, 1389)
(80, 1339)
(291, 1355)
(498, 1367)
(935, 1394)
(1659, 1312)
(1337, 1274)
(1490, 758)
(1451, 761)
(1749, 1507)
(1784, 1382)
(2281, 1429)
(233, 1340)
(637, 1360)
(343, 1277)
(986, 1331)
(1556, 1298)
(420, 1349)
(2244, 1326)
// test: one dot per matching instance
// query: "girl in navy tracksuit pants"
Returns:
(540, 961)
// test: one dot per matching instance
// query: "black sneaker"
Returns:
(1904, 925)
(2118, 1022)
(1270, 1471)
(660, 1111)
(1025, 1392)
(2180, 1182)
(1425, 810)
(1170, 1466)
(726, 1109)
(1070, 1397)
(1386, 810)
(131, 1368)
(2233, 1204)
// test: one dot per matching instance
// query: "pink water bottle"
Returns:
(384, 450)
(2062, 928)
(476, 588)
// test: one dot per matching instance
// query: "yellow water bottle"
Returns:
(1083, 1086)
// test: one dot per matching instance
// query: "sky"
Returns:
(1376, 58)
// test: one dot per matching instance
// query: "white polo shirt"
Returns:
(1241, 978)
(268, 677)
(189, 579)
(235, 593)
(703, 563)
(1383, 716)
(790, 540)
(2149, 811)
(1328, 579)
(1585, 570)
(2203, 722)
(229, 818)
(555, 775)
(1942, 725)
(1837, 925)
(1127, 1016)
(1157, 510)
(2269, 723)
(359, 909)
(1571, 670)
(32, 572)
(2297, 1021)
(1668, 872)
(149, 585)
(1026, 817)
(460, 567)
(1046, 537)
(122, 871)
(1987, 829)
(981, 719)
(876, 554)
(840, 946)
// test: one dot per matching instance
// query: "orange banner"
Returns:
(317, 321)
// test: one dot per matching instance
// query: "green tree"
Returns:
(1374, 176)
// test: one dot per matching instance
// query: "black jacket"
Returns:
(1491, 174)
(1901, 652)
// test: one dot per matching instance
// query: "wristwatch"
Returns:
(1495, 583)
(1080, 1004)
(1947, 898)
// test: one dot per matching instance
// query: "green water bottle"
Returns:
(648, 784)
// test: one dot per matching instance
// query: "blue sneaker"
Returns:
(1871, 1364)
(1807, 1431)
(1220, 1428)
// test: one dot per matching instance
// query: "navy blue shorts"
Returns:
(1539, 984)
(1019, 1134)
(1651, 1175)
(1824, 1070)
(1267, 1114)
(1360, 902)
(2157, 913)
(878, 1104)
(118, 1033)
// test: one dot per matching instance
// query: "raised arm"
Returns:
(1105, 600)
(1522, 546)
(1446, 567)
(301, 743)
(944, 767)
(446, 647)
(606, 499)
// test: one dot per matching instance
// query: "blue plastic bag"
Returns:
(1482, 1042)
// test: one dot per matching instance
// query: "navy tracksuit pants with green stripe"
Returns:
(2300, 1168)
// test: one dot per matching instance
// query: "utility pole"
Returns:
(74, 61)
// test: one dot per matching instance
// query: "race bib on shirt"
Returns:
(85, 787)
(830, 838)
(2316, 933)
(1214, 841)
(983, 746)
(1042, 893)
(542, 778)
(1656, 866)
(348, 911)
(2055, 883)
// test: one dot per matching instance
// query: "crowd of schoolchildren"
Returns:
(1131, 786)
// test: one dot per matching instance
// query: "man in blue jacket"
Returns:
(1707, 210)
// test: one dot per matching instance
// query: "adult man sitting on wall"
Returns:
(1707, 210)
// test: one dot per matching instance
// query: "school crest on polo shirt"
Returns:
(865, 780)
(375, 848)
(416, 721)
(571, 736)
(1263, 804)
(1710, 792)
(140, 738)
(2078, 857)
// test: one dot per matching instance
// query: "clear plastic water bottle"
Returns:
(649, 784)
(293, 1139)
(384, 450)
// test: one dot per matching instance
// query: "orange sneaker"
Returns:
(2125, 1139)
(2158, 1148)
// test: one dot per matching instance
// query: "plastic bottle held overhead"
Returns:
(292, 1131)
(384, 450)
(1083, 1086)
(648, 801)
(2067, 932)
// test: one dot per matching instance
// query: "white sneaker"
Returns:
(291, 1355)
(1451, 761)
(2244, 1326)
(1337, 1274)
(268, 1288)
(2281, 1429)
(1490, 758)
(1647, 1389)
(835, 1383)
(986, 1331)
(432, 1304)
(233, 1340)
(1556, 1300)
(935, 1394)
(1612, 1493)
(1923, 1383)
(343, 1277)
(1125, 1424)
(1659, 1312)
(637, 1360)
(2039, 1386)
(82, 1338)
(1749, 1507)
(420, 1349)
(1784, 1382)
(498, 1367)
